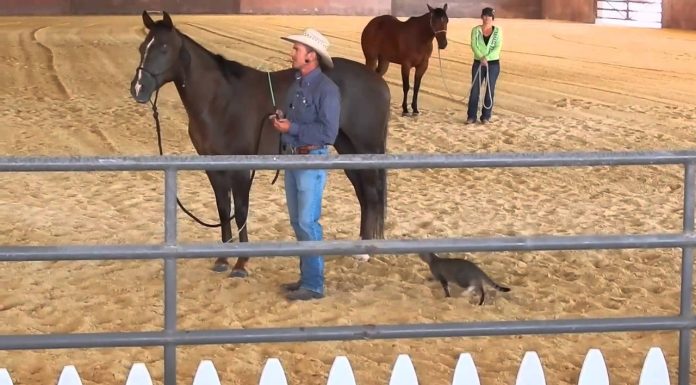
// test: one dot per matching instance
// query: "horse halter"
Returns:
(156, 76)
(433, 28)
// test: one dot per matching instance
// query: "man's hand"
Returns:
(279, 122)
(282, 125)
(484, 62)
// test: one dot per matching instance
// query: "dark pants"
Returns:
(491, 73)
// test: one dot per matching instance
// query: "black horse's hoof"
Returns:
(220, 267)
(415, 113)
(405, 113)
(238, 273)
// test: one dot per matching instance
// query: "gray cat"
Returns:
(465, 273)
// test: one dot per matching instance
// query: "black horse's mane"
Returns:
(229, 68)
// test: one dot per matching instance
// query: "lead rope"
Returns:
(155, 115)
(481, 82)
(270, 87)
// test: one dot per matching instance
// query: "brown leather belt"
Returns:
(302, 150)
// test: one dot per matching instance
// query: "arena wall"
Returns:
(523, 9)
(87, 7)
(572, 10)
(679, 14)
(308, 7)
(34, 7)
(115, 7)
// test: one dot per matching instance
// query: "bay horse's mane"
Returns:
(437, 12)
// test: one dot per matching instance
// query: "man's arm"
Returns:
(325, 128)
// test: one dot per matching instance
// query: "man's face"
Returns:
(299, 55)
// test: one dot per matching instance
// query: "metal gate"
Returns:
(172, 249)
(633, 13)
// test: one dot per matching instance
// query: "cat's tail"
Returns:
(495, 285)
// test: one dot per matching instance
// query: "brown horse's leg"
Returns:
(420, 71)
(382, 66)
(371, 63)
(240, 193)
(218, 180)
(405, 71)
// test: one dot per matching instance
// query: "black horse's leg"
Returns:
(344, 146)
(405, 71)
(420, 71)
(373, 183)
(221, 188)
(241, 184)
(370, 188)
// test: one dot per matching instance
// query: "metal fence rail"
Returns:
(170, 250)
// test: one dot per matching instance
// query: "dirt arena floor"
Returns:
(564, 87)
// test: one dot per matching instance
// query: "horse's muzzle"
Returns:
(441, 42)
(142, 86)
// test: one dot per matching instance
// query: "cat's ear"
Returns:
(426, 257)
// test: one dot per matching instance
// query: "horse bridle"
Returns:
(433, 28)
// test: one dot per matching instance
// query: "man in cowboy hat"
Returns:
(310, 125)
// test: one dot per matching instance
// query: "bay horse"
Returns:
(386, 39)
(228, 105)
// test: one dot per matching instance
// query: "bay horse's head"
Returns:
(438, 23)
(159, 57)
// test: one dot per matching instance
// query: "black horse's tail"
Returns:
(382, 197)
(382, 184)
(382, 172)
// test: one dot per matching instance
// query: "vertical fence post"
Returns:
(170, 235)
(687, 270)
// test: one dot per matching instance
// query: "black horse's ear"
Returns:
(167, 20)
(444, 8)
(430, 9)
(147, 20)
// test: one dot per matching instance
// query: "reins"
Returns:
(155, 115)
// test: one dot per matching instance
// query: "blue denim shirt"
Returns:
(313, 106)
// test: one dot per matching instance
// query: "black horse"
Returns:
(228, 105)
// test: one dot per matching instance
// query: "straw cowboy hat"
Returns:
(316, 41)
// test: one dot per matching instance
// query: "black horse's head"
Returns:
(438, 23)
(160, 55)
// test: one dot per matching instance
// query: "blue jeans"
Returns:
(304, 190)
(491, 72)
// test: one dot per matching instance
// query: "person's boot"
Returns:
(303, 294)
(292, 286)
